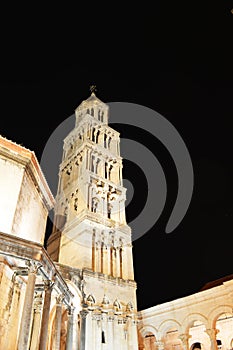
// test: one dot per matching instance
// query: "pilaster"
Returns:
(25, 325)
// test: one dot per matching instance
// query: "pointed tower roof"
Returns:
(94, 107)
(90, 101)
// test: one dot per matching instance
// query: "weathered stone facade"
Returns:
(79, 292)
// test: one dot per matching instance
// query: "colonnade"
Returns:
(34, 318)
(181, 343)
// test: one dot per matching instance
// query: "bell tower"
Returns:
(91, 241)
(90, 229)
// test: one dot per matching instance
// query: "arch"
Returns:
(191, 318)
(148, 329)
(168, 324)
(217, 311)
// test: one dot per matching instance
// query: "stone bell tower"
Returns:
(90, 229)
(90, 232)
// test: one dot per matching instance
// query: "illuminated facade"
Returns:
(203, 320)
(79, 292)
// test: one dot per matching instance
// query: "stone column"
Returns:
(95, 165)
(72, 335)
(36, 322)
(93, 251)
(101, 168)
(109, 260)
(129, 333)
(120, 175)
(45, 314)
(185, 340)
(121, 261)
(114, 261)
(117, 262)
(25, 325)
(104, 333)
(105, 259)
(128, 271)
(122, 211)
(83, 315)
(212, 335)
(96, 331)
(57, 323)
(86, 160)
(117, 332)
(110, 339)
(97, 256)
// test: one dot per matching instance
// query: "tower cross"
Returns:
(93, 88)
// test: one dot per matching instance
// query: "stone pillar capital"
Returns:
(71, 310)
(33, 266)
(212, 332)
(59, 299)
(184, 337)
(48, 285)
(83, 314)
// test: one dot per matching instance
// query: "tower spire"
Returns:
(93, 89)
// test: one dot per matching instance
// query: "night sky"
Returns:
(175, 58)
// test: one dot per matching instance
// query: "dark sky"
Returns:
(175, 58)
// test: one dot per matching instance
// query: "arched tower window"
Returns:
(109, 171)
(103, 338)
(105, 140)
(109, 141)
(92, 163)
(106, 170)
(94, 205)
(109, 208)
(97, 136)
(93, 135)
